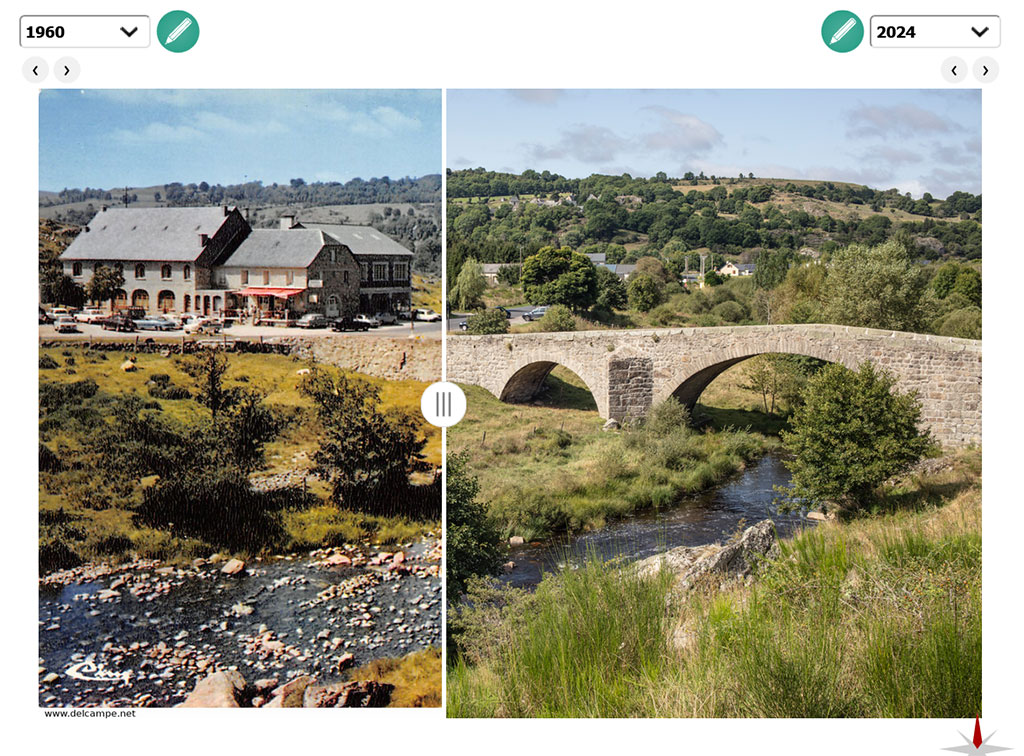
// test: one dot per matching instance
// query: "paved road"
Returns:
(401, 330)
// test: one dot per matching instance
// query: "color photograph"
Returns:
(239, 499)
(722, 357)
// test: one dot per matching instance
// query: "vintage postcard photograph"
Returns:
(239, 298)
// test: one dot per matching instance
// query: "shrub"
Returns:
(558, 318)
(852, 432)
(729, 311)
(473, 544)
(46, 362)
(962, 324)
(664, 315)
(487, 321)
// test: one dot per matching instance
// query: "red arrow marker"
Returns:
(977, 732)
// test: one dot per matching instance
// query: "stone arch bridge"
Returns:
(628, 371)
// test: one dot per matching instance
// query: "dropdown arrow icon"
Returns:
(129, 33)
(979, 33)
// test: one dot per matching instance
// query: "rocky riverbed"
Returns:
(145, 634)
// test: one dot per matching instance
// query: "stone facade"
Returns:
(628, 371)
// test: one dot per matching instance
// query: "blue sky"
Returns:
(915, 140)
(109, 138)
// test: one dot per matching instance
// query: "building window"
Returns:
(119, 268)
(289, 277)
(140, 271)
(380, 271)
(401, 271)
(76, 268)
(165, 272)
(364, 272)
(334, 255)
(187, 303)
(245, 277)
(314, 298)
(346, 276)
(187, 272)
(266, 278)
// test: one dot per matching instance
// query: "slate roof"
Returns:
(362, 240)
(279, 248)
(597, 258)
(168, 234)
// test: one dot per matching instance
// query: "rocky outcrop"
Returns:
(736, 560)
(347, 695)
(228, 689)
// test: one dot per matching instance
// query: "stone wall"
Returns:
(627, 371)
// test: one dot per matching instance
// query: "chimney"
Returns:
(226, 209)
(103, 208)
(245, 214)
(287, 221)
(203, 239)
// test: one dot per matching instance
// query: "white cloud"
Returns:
(901, 120)
(157, 132)
(538, 96)
(681, 134)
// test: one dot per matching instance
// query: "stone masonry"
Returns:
(628, 371)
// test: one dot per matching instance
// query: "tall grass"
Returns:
(879, 617)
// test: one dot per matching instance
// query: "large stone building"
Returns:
(210, 260)
(385, 278)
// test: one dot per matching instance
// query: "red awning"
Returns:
(268, 291)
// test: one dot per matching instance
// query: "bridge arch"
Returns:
(527, 377)
(689, 382)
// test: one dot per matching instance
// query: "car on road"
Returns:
(369, 320)
(56, 312)
(405, 314)
(65, 324)
(155, 323)
(312, 320)
(118, 322)
(386, 318)
(204, 325)
(464, 325)
(423, 313)
(44, 317)
(349, 324)
(90, 315)
(508, 313)
(535, 314)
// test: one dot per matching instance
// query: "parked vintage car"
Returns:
(386, 318)
(118, 322)
(155, 323)
(423, 313)
(44, 317)
(65, 324)
(349, 324)
(312, 320)
(535, 314)
(369, 320)
(204, 325)
(90, 315)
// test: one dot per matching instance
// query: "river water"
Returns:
(144, 634)
(704, 518)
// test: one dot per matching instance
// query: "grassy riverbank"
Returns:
(87, 514)
(416, 677)
(548, 468)
(876, 617)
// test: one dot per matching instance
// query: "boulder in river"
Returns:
(735, 560)
(219, 690)
(233, 567)
(516, 541)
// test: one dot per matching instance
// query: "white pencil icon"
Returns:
(843, 30)
(188, 22)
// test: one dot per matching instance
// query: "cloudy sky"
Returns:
(915, 140)
(108, 138)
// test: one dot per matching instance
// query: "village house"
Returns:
(735, 269)
(209, 260)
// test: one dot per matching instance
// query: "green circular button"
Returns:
(178, 31)
(842, 31)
